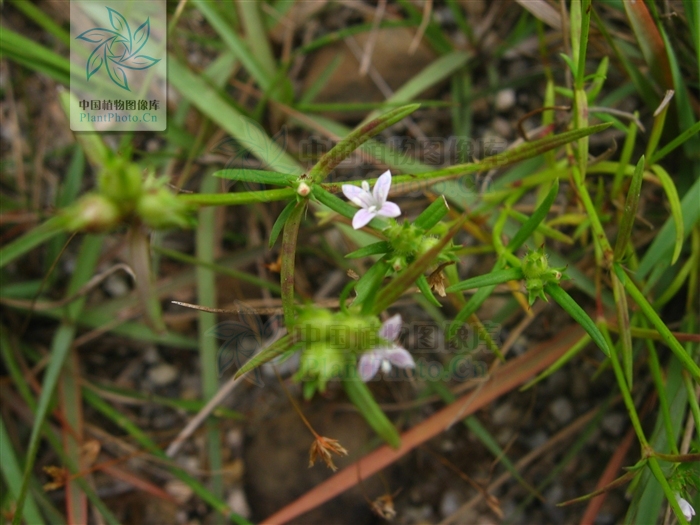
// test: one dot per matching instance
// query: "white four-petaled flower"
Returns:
(686, 508)
(371, 203)
(385, 356)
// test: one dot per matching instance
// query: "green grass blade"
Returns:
(209, 101)
(12, 472)
(205, 240)
(258, 176)
(665, 240)
(62, 341)
(629, 215)
(237, 199)
(534, 221)
(424, 288)
(356, 138)
(655, 320)
(280, 222)
(676, 212)
(362, 398)
(376, 248)
(433, 214)
(557, 293)
(31, 239)
(489, 279)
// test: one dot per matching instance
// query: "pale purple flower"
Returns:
(371, 203)
(385, 356)
(686, 508)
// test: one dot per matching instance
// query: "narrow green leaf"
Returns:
(676, 211)
(258, 176)
(362, 398)
(267, 354)
(372, 278)
(280, 222)
(237, 199)
(678, 141)
(12, 472)
(489, 279)
(520, 153)
(660, 326)
(534, 221)
(356, 138)
(433, 214)
(31, 239)
(371, 249)
(424, 288)
(209, 101)
(60, 346)
(629, 215)
(578, 314)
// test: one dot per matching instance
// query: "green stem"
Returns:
(289, 244)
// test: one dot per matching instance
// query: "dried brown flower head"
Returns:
(322, 448)
(59, 475)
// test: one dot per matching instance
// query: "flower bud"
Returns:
(320, 363)
(121, 181)
(303, 189)
(161, 209)
(92, 213)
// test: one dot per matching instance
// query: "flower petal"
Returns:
(368, 366)
(389, 209)
(400, 357)
(391, 328)
(381, 188)
(686, 508)
(358, 196)
(362, 218)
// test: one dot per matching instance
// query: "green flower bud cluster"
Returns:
(409, 242)
(123, 194)
(538, 274)
(331, 342)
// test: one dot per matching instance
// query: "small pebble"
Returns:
(538, 439)
(238, 503)
(505, 100)
(449, 503)
(561, 409)
(614, 423)
(162, 374)
(179, 490)
(504, 415)
(151, 355)
(502, 127)
(117, 285)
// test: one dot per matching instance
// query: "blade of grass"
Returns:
(12, 472)
(84, 269)
(209, 102)
(142, 439)
(357, 137)
(655, 320)
(665, 240)
(72, 409)
(205, 239)
(30, 240)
